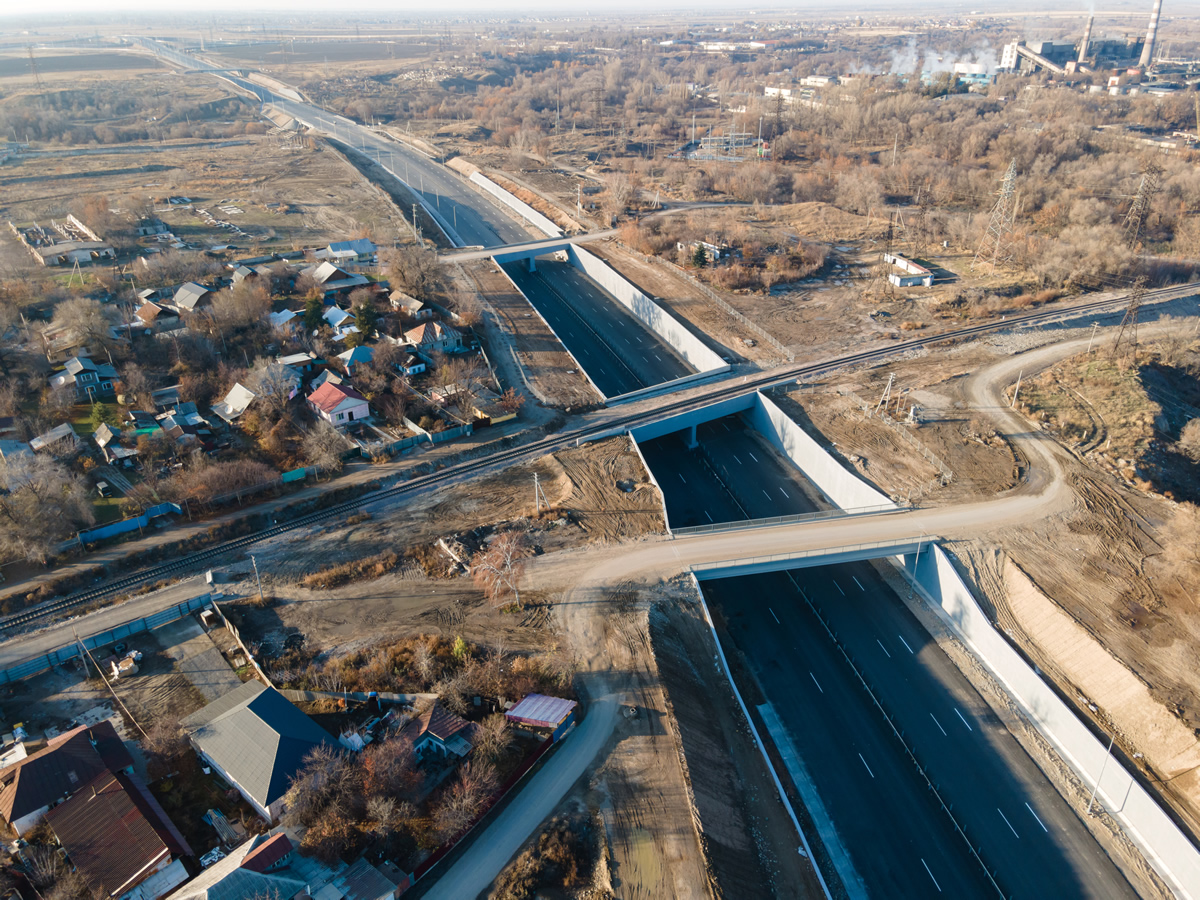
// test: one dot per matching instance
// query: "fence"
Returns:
(237, 636)
(356, 696)
(68, 652)
(721, 304)
(294, 475)
(127, 525)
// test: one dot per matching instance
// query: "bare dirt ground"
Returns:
(549, 372)
(327, 198)
(686, 302)
(181, 670)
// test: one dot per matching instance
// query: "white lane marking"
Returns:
(939, 725)
(1039, 821)
(883, 648)
(785, 493)
(681, 478)
(727, 428)
(1008, 823)
(659, 358)
(776, 618)
(735, 456)
(765, 494)
(639, 340)
(868, 768)
(628, 342)
(964, 721)
(817, 683)
(860, 587)
(839, 587)
(931, 878)
(752, 456)
(710, 518)
(905, 643)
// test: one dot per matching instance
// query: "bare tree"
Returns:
(274, 384)
(498, 569)
(423, 660)
(493, 737)
(323, 447)
(41, 503)
(85, 318)
(415, 270)
(463, 801)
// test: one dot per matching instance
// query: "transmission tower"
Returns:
(1127, 336)
(33, 69)
(995, 242)
(921, 234)
(1135, 219)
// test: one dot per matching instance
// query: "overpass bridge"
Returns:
(525, 250)
(803, 559)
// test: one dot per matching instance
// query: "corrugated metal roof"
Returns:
(111, 835)
(258, 737)
(541, 710)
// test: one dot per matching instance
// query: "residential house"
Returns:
(334, 281)
(433, 337)
(88, 379)
(363, 881)
(302, 363)
(257, 741)
(156, 316)
(191, 296)
(165, 398)
(149, 295)
(68, 762)
(437, 730)
(411, 306)
(120, 840)
(355, 357)
(236, 402)
(186, 427)
(341, 321)
(411, 365)
(141, 422)
(328, 376)
(285, 318)
(360, 250)
(257, 868)
(338, 404)
(113, 449)
(58, 440)
(151, 227)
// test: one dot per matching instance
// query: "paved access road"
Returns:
(618, 352)
(898, 840)
(731, 476)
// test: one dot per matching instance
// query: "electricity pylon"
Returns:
(1139, 210)
(995, 248)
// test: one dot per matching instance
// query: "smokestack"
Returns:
(1087, 39)
(1151, 34)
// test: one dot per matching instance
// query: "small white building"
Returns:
(339, 404)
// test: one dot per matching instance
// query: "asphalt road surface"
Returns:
(619, 353)
(731, 477)
(898, 839)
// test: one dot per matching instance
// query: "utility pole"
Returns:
(1001, 224)
(258, 580)
(539, 496)
(1017, 389)
(887, 394)
(1092, 339)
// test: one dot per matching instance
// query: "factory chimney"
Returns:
(1151, 34)
(1087, 39)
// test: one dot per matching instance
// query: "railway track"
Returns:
(558, 441)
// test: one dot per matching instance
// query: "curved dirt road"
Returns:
(585, 575)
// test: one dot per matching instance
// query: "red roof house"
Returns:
(338, 404)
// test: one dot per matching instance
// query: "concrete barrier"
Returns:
(646, 311)
(520, 207)
(662, 498)
(1165, 845)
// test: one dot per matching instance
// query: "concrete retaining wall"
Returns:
(645, 310)
(520, 207)
(843, 488)
(662, 498)
(1166, 847)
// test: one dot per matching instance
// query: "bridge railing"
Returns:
(789, 519)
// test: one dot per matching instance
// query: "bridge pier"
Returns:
(692, 442)
(532, 265)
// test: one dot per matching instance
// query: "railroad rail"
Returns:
(771, 379)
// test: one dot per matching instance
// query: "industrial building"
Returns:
(66, 243)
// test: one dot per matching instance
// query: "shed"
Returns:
(554, 714)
